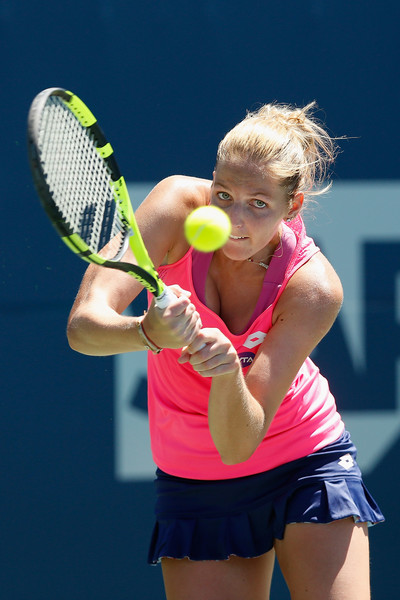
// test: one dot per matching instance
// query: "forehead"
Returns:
(245, 173)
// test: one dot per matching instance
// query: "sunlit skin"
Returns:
(256, 205)
(240, 407)
(241, 404)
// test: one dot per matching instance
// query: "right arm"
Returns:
(96, 325)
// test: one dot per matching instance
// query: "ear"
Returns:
(295, 205)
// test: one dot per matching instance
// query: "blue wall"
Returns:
(166, 80)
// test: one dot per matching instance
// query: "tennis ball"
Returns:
(207, 228)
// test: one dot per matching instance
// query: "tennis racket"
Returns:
(82, 190)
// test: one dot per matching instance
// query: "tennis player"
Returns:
(253, 458)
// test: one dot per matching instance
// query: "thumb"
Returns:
(185, 356)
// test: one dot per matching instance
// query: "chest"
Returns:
(233, 297)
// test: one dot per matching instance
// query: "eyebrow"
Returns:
(218, 182)
(266, 195)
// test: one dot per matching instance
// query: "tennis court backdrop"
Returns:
(167, 80)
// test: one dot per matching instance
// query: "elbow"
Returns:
(231, 461)
(75, 340)
(235, 456)
(234, 451)
(78, 339)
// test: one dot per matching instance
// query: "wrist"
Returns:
(147, 342)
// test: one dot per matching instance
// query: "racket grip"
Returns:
(165, 298)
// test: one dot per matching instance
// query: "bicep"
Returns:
(103, 288)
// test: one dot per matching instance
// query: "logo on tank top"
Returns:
(252, 341)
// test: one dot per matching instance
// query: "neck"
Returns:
(258, 262)
(263, 260)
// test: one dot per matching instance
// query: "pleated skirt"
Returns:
(213, 520)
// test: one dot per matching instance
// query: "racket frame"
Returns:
(144, 271)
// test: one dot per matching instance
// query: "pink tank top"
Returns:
(307, 419)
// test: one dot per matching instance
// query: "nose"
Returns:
(236, 216)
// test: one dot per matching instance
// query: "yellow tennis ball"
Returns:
(207, 228)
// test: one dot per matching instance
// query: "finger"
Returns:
(184, 357)
(195, 347)
(178, 291)
(215, 371)
(180, 299)
(216, 365)
(193, 328)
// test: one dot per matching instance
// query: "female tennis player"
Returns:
(253, 458)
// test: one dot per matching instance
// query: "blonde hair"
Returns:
(291, 144)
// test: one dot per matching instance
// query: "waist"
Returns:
(306, 421)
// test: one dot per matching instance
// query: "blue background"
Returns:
(166, 79)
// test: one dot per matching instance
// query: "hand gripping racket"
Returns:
(81, 188)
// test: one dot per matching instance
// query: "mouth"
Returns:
(238, 237)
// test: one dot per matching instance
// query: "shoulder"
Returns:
(314, 292)
(180, 191)
(172, 199)
(161, 215)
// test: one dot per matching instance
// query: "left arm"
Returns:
(241, 408)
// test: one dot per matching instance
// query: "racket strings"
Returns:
(79, 179)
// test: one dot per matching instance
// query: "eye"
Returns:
(259, 204)
(223, 196)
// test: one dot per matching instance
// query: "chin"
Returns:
(235, 253)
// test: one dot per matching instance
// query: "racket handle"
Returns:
(165, 298)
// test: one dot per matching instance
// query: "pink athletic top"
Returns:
(307, 419)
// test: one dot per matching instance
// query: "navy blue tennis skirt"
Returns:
(212, 520)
